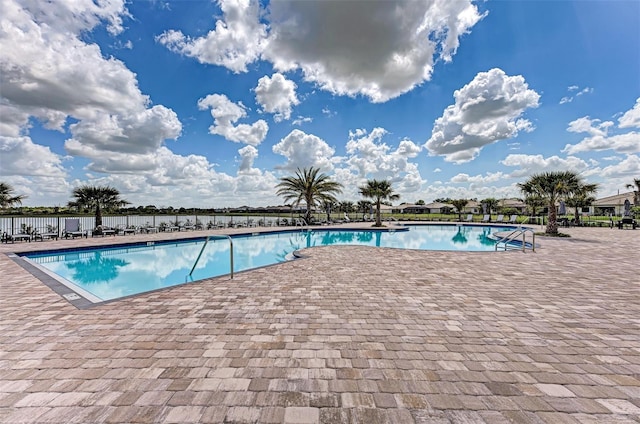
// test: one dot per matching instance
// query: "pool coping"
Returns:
(81, 299)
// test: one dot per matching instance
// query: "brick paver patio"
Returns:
(347, 334)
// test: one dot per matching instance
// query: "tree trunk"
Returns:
(378, 219)
(307, 214)
(98, 215)
(552, 223)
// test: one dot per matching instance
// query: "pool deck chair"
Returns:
(513, 219)
(346, 218)
(469, 218)
(6, 238)
(486, 218)
(50, 235)
(72, 228)
(500, 218)
(627, 222)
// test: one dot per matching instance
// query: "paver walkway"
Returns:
(348, 334)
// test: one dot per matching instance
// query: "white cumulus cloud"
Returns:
(20, 156)
(236, 41)
(486, 110)
(532, 164)
(277, 95)
(598, 138)
(248, 155)
(304, 150)
(225, 114)
(631, 118)
(140, 132)
(376, 49)
(370, 157)
(49, 72)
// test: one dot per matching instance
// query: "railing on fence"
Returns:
(20, 224)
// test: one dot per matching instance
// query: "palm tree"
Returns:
(534, 202)
(7, 199)
(98, 198)
(582, 197)
(378, 190)
(347, 206)
(459, 204)
(364, 206)
(552, 187)
(636, 192)
(329, 206)
(492, 204)
(308, 186)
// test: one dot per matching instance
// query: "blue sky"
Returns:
(209, 103)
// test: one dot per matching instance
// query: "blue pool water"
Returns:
(108, 273)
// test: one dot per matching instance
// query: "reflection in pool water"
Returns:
(461, 236)
(96, 268)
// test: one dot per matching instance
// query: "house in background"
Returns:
(410, 208)
(472, 206)
(610, 205)
(516, 204)
(438, 207)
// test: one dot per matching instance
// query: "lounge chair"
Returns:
(120, 229)
(469, 218)
(6, 238)
(346, 218)
(103, 231)
(500, 218)
(513, 219)
(72, 228)
(627, 222)
(48, 235)
(486, 218)
(148, 229)
(108, 231)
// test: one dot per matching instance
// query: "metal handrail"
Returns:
(515, 233)
(205, 245)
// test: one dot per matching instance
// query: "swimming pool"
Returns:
(106, 273)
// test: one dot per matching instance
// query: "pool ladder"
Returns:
(205, 245)
(508, 239)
